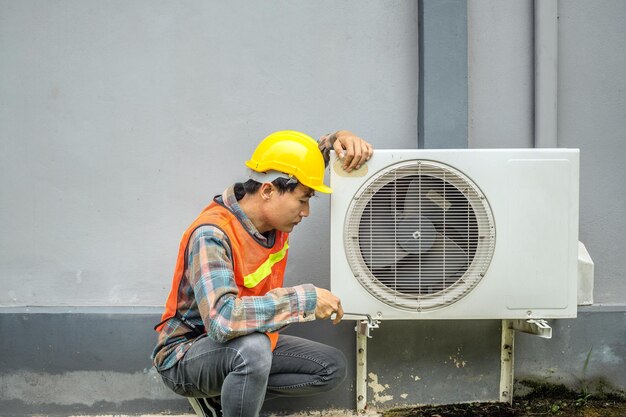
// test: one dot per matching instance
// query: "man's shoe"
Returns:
(206, 407)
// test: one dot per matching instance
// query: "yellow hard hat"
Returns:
(292, 153)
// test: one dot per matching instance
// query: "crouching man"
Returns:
(218, 343)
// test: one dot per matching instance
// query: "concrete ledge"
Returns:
(93, 361)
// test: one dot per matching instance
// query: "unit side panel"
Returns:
(538, 231)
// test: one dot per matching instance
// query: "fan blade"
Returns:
(434, 270)
(443, 261)
(423, 198)
(378, 235)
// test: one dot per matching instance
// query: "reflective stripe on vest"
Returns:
(253, 279)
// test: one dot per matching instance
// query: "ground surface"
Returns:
(544, 400)
(552, 407)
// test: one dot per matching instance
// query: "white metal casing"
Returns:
(533, 196)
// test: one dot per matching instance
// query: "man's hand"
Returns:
(327, 305)
(352, 149)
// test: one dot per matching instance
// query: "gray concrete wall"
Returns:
(500, 61)
(119, 120)
(592, 117)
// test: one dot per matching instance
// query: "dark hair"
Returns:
(283, 185)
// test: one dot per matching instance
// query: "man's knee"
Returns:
(338, 369)
(254, 353)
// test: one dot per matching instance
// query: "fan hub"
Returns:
(416, 235)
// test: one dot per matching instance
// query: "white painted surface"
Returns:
(532, 195)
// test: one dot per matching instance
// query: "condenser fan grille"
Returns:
(419, 235)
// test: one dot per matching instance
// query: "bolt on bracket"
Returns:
(364, 327)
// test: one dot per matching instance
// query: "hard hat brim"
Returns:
(322, 189)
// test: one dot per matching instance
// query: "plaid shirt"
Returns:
(207, 296)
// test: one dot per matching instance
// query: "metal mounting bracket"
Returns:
(364, 326)
(537, 327)
(362, 329)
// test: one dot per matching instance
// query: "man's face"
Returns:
(288, 209)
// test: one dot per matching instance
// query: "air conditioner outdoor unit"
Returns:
(457, 234)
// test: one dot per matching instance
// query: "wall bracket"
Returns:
(537, 327)
(363, 329)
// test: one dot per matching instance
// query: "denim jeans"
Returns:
(245, 372)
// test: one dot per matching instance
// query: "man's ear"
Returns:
(266, 190)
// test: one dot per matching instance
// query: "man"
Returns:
(218, 342)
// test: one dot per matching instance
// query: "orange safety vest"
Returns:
(258, 269)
